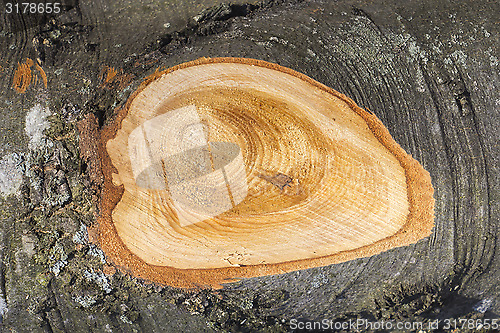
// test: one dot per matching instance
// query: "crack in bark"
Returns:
(212, 21)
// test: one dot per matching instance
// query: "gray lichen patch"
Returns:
(36, 123)
(85, 301)
(99, 278)
(97, 253)
(10, 173)
(81, 236)
(3, 308)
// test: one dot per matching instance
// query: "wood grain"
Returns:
(321, 180)
(427, 69)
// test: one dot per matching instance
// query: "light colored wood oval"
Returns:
(311, 179)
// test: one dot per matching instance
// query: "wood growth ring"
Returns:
(226, 168)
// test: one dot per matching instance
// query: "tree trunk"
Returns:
(428, 72)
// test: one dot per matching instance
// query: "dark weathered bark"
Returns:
(428, 70)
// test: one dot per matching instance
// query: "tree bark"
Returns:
(428, 71)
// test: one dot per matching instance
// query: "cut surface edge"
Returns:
(419, 223)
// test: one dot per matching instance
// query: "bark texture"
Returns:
(428, 70)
